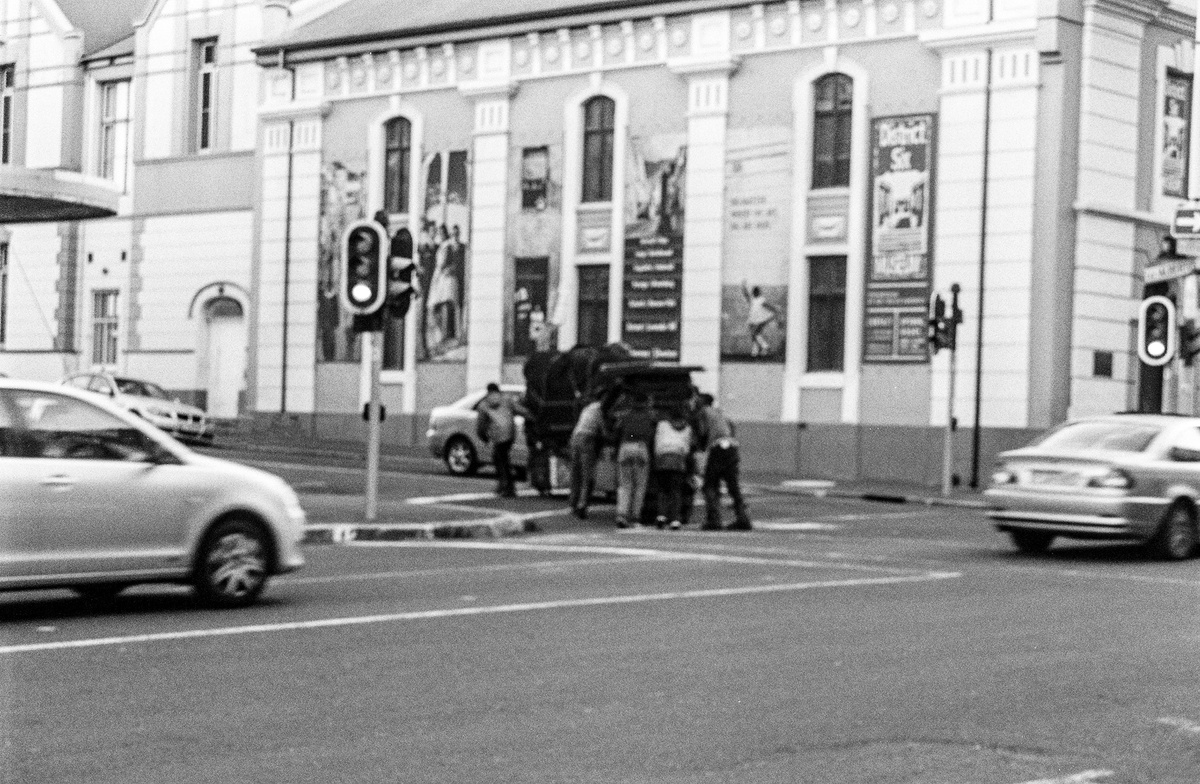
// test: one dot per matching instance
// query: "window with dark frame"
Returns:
(3, 293)
(593, 305)
(599, 120)
(535, 177)
(832, 111)
(104, 327)
(7, 94)
(114, 131)
(206, 93)
(826, 312)
(397, 165)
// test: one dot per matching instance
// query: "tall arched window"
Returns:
(396, 151)
(832, 109)
(599, 116)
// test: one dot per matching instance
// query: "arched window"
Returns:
(599, 115)
(832, 108)
(396, 151)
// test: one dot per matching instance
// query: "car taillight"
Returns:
(1114, 480)
(1002, 476)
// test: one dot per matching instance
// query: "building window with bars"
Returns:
(114, 132)
(832, 110)
(826, 312)
(535, 177)
(7, 99)
(104, 327)
(397, 154)
(599, 119)
(206, 94)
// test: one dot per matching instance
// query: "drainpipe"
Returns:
(976, 428)
(287, 246)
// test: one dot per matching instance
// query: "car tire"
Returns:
(99, 592)
(1031, 542)
(1176, 537)
(233, 563)
(460, 456)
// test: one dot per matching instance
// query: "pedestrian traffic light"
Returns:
(364, 275)
(1157, 332)
(400, 289)
(1189, 340)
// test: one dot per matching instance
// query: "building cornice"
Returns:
(979, 36)
(295, 110)
(1142, 11)
(1117, 212)
(691, 66)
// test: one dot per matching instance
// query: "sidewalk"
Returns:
(335, 519)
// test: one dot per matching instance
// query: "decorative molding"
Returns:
(687, 66)
(976, 36)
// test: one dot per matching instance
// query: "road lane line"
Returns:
(559, 604)
(1183, 725)
(1086, 777)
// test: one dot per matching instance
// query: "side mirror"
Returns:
(1184, 455)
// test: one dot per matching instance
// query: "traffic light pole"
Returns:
(373, 427)
(948, 437)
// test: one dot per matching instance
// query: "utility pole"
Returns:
(943, 333)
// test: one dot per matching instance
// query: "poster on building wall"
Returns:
(531, 296)
(442, 257)
(343, 200)
(653, 274)
(1177, 112)
(754, 278)
(898, 272)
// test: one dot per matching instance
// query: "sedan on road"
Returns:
(95, 499)
(451, 435)
(151, 402)
(1124, 476)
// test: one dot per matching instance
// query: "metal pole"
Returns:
(373, 427)
(948, 438)
(976, 425)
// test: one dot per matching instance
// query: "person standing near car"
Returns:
(635, 444)
(497, 426)
(586, 439)
(721, 465)
(673, 444)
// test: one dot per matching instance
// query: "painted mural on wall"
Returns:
(1177, 112)
(754, 279)
(442, 257)
(654, 198)
(898, 277)
(343, 200)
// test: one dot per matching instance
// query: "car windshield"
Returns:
(129, 386)
(1103, 436)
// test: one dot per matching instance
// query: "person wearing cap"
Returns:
(497, 426)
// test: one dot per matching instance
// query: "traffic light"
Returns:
(1189, 340)
(1157, 332)
(400, 289)
(943, 327)
(364, 277)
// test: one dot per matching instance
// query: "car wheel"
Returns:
(99, 591)
(231, 567)
(460, 456)
(1031, 541)
(1176, 537)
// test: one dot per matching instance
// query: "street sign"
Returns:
(1187, 221)
(1168, 270)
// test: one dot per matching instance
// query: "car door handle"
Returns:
(59, 480)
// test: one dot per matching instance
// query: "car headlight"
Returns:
(1114, 479)
(1003, 476)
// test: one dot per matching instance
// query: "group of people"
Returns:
(659, 451)
(662, 451)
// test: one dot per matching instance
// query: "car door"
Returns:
(99, 504)
(19, 494)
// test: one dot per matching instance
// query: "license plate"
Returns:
(1060, 478)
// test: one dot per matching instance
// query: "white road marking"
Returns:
(1183, 725)
(454, 498)
(792, 524)
(1086, 777)
(457, 612)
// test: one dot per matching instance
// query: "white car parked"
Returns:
(96, 499)
(151, 402)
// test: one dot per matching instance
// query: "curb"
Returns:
(489, 528)
(881, 497)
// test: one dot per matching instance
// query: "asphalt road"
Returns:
(843, 642)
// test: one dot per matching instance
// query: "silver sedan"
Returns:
(451, 435)
(96, 499)
(1125, 476)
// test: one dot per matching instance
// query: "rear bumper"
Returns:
(1096, 515)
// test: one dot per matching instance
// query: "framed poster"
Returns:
(1177, 113)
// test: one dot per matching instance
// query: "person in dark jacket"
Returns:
(635, 444)
(497, 426)
(720, 466)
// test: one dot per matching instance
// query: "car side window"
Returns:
(101, 385)
(62, 427)
(1186, 445)
(79, 382)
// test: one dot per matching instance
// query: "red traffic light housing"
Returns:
(364, 271)
(1157, 332)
